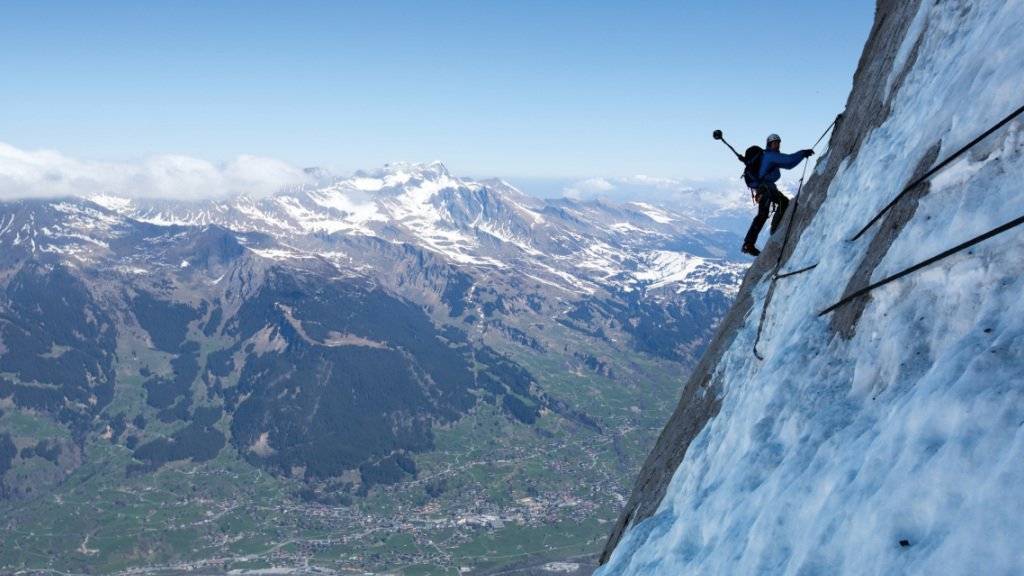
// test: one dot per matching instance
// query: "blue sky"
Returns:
(558, 89)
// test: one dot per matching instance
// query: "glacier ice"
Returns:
(828, 454)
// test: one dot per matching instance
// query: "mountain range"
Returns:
(347, 338)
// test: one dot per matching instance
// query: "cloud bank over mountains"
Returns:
(48, 173)
(711, 194)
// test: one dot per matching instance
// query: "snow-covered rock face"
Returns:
(69, 229)
(577, 247)
(886, 438)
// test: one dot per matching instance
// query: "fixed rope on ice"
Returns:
(959, 247)
(935, 169)
(795, 272)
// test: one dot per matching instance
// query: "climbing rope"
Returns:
(827, 130)
(795, 204)
(795, 272)
(959, 247)
(785, 241)
(936, 169)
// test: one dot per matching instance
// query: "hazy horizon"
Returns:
(49, 173)
(566, 91)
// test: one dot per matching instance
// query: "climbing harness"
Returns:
(785, 241)
(936, 169)
(959, 247)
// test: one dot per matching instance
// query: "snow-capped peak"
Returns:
(111, 201)
(486, 223)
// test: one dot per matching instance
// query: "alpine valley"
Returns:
(399, 371)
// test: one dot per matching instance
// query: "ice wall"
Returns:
(888, 437)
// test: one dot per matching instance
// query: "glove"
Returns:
(807, 153)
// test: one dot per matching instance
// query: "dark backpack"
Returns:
(752, 166)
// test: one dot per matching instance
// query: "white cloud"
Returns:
(588, 188)
(694, 196)
(47, 173)
(668, 183)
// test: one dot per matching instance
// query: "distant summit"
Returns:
(593, 245)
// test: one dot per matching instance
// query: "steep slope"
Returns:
(884, 437)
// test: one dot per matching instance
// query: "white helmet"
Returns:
(773, 138)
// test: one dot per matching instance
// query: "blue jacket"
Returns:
(772, 161)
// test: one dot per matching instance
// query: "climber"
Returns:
(761, 173)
